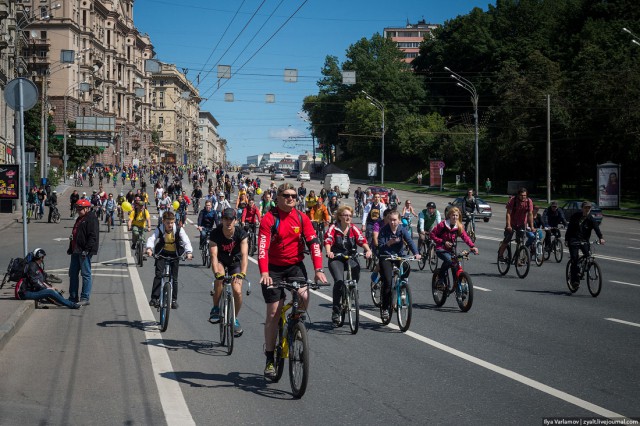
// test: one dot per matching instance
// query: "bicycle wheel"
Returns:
(5, 279)
(109, 224)
(278, 354)
(208, 265)
(56, 216)
(558, 251)
(464, 292)
(504, 263)
(439, 295)
(539, 258)
(375, 293)
(223, 316)
(522, 262)
(229, 323)
(140, 252)
(354, 310)
(165, 304)
(423, 256)
(433, 258)
(299, 360)
(572, 289)
(548, 250)
(252, 244)
(369, 263)
(404, 306)
(470, 231)
(594, 279)
(203, 252)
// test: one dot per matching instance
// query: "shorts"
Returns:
(278, 274)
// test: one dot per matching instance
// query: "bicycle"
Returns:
(589, 268)
(166, 291)
(138, 248)
(520, 258)
(32, 212)
(319, 228)
(359, 209)
(196, 206)
(470, 226)
(537, 249)
(227, 308)
(349, 295)
(427, 249)
(109, 220)
(401, 300)
(462, 285)
(555, 245)
(291, 340)
(252, 238)
(55, 214)
(204, 250)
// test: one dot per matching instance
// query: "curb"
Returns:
(15, 321)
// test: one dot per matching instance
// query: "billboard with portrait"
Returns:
(9, 179)
(609, 186)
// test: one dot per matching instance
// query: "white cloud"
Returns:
(286, 132)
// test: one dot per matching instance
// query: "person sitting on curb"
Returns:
(35, 286)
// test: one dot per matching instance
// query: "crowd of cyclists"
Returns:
(289, 221)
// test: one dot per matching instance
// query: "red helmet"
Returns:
(83, 203)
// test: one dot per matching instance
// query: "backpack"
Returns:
(18, 267)
(21, 288)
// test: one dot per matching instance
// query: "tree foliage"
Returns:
(515, 54)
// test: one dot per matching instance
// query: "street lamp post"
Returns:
(469, 87)
(376, 103)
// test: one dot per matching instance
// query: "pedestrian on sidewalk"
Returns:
(419, 178)
(83, 245)
(487, 186)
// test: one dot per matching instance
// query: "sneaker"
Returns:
(84, 302)
(335, 317)
(384, 314)
(53, 279)
(75, 306)
(174, 304)
(214, 315)
(270, 370)
(237, 330)
(154, 302)
(73, 299)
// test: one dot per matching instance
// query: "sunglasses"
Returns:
(288, 195)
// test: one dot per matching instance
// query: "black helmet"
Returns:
(431, 205)
(39, 253)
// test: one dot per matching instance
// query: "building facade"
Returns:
(211, 148)
(175, 112)
(409, 37)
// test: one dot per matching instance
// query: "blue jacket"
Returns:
(401, 234)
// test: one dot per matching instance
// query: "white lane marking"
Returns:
(109, 269)
(634, 248)
(634, 239)
(499, 370)
(475, 287)
(174, 406)
(623, 322)
(489, 238)
(109, 275)
(622, 282)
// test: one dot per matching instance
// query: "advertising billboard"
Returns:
(9, 179)
(609, 186)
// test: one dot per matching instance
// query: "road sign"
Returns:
(441, 171)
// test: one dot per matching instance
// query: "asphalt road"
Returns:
(526, 350)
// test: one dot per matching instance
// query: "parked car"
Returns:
(277, 175)
(304, 176)
(384, 193)
(294, 173)
(574, 206)
(483, 206)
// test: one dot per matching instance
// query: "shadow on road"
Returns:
(204, 347)
(140, 325)
(248, 382)
(549, 292)
(450, 309)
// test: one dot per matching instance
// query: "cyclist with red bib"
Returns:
(519, 215)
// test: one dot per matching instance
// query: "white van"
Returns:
(341, 180)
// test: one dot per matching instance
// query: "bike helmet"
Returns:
(39, 253)
(83, 202)
(431, 205)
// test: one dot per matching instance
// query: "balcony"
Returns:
(97, 94)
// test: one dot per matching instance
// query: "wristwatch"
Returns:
(320, 270)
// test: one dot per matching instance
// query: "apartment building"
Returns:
(175, 111)
(409, 37)
(211, 148)
(7, 38)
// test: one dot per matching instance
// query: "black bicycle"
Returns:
(588, 268)
(166, 290)
(138, 247)
(349, 306)
(228, 312)
(253, 238)
(55, 214)
(427, 249)
(554, 246)
(204, 250)
(520, 257)
(291, 340)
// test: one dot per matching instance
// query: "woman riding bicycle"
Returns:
(444, 235)
(391, 241)
(343, 237)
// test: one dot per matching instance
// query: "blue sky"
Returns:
(200, 34)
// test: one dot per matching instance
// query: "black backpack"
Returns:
(18, 267)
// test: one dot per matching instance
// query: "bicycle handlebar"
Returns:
(295, 285)
(396, 257)
(342, 256)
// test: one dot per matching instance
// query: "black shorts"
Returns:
(234, 268)
(278, 274)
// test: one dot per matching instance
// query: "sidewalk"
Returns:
(13, 313)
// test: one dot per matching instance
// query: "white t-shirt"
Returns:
(159, 192)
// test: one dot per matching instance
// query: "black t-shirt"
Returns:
(228, 248)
